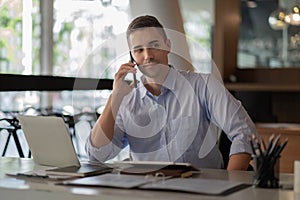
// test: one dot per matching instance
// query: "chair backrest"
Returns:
(224, 147)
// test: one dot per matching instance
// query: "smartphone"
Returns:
(134, 75)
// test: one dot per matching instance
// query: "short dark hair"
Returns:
(144, 22)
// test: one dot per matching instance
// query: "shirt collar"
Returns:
(171, 79)
(169, 83)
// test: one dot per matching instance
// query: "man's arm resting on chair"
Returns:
(239, 161)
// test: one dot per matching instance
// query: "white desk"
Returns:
(11, 188)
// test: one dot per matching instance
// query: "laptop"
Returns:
(50, 144)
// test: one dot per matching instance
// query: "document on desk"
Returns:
(113, 180)
(191, 185)
(197, 185)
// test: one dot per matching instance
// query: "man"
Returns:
(172, 115)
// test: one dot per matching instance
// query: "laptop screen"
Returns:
(49, 140)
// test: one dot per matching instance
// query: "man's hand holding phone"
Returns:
(120, 86)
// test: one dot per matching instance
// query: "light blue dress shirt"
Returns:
(181, 124)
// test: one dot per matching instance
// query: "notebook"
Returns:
(173, 169)
(50, 144)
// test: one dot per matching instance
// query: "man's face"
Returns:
(149, 50)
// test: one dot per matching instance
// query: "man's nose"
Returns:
(148, 54)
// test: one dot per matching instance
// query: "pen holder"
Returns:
(266, 173)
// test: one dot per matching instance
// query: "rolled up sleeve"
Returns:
(108, 151)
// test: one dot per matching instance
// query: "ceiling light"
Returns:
(277, 19)
(293, 17)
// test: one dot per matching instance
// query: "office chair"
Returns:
(12, 127)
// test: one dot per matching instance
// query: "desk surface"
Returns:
(13, 188)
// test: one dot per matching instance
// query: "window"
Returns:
(19, 36)
(81, 31)
(198, 17)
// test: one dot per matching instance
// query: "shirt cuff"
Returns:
(101, 154)
(240, 145)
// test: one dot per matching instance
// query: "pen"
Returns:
(274, 145)
(258, 147)
(264, 144)
(32, 175)
(281, 147)
(270, 144)
(252, 147)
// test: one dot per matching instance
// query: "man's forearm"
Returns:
(239, 161)
(103, 131)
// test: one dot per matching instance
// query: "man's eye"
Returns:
(138, 50)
